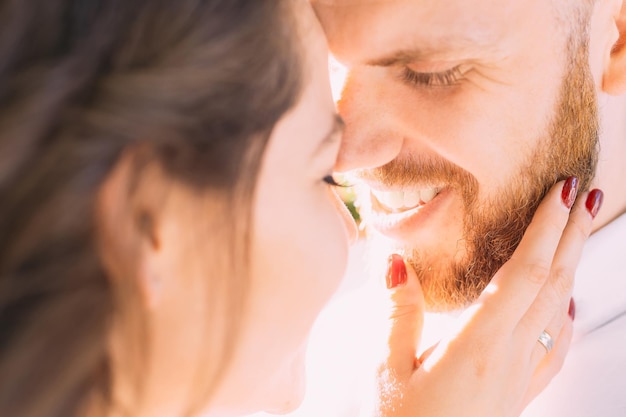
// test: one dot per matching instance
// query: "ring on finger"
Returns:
(546, 341)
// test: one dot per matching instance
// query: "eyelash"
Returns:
(432, 79)
(330, 180)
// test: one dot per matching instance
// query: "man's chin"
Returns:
(444, 291)
(453, 281)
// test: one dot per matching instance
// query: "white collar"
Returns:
(600, 287)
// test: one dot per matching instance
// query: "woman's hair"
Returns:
(198, 85)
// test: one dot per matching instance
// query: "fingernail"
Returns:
(570, 189)
(572, 309)
(594, 202)
(396, 271)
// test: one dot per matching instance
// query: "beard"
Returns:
(493, 227)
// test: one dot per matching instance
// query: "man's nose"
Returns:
(369, 139)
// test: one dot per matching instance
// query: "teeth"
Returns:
(412, 198)
(428, 194)
(396, 200)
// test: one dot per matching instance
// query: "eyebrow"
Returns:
(399, 57)
(460, 47)
(338, 125)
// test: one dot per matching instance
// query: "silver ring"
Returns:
(546, 341)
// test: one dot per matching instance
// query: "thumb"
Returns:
(406, 316)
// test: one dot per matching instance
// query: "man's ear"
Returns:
(614, 77)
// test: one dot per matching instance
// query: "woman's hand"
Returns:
(493, 364)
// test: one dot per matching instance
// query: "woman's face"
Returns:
(299, 246)
(299, 242)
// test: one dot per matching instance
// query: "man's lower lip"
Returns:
(399, 225)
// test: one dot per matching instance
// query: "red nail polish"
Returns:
(594, 202)
(396, 271)
(570, 189)
(572, 309)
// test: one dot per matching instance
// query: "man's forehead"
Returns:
(359, 28)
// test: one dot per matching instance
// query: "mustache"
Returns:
(416, 170)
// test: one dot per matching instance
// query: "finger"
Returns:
(541, 343)
(550, 364)
(406, 316)
(521, 278)
(556, 292)
(426, 354)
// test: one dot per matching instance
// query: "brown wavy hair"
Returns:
(199, 84)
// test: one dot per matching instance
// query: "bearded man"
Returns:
(459, 116)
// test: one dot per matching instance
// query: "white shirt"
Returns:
(592, 382)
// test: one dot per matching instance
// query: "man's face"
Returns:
(460, 115)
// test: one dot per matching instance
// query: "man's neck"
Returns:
(611, 173)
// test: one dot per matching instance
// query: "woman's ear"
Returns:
(614, 77)
(149, 270)
(130, 209)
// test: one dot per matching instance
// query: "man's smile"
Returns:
(401, 214)
(402, 201)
